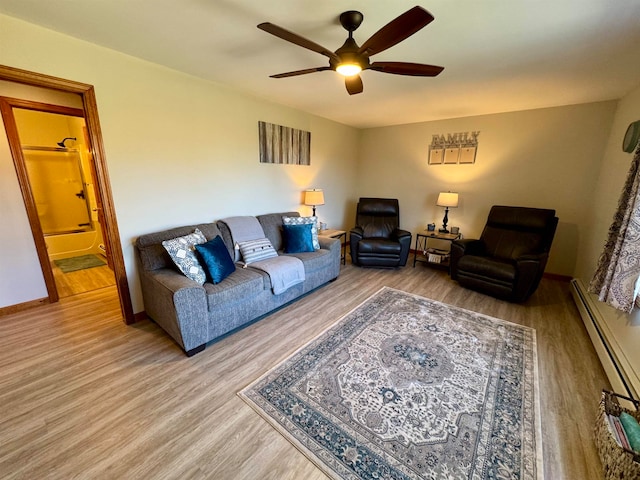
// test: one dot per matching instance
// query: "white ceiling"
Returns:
(499, 55)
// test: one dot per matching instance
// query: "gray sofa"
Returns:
(194, 314)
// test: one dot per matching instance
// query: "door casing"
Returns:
(103, 187)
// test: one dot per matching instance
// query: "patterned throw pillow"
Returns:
(182, 252)
(304, 221)
(256, 250)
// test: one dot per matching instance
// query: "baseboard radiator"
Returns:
(611, 357)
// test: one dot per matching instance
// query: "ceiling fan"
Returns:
(350, 59)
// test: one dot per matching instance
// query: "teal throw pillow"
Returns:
(298, 238)
(216, 259)
(302, 221)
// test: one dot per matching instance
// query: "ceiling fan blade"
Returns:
(300, 72)
(297, 39)
(353, 84)
(405, 68)
(396, 30)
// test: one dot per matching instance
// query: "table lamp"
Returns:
(313, 198)
(447, 200)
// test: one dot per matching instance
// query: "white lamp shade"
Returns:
(447, 199)
(314, 197)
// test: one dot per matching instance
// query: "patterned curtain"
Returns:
(616, 278)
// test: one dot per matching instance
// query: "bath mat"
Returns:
(408, 388)
(79, 263)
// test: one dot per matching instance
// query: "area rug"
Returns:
(404, 387)
(78, 263)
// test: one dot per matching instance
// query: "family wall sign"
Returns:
(453, 148)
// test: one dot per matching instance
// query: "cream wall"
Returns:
(612, 173)
(545, 158)
(182, 150)
(179, 149)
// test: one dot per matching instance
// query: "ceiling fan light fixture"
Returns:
(348, 69)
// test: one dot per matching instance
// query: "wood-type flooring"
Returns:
(84, 396)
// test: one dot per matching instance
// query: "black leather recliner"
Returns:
(508, 260)
(377, 240)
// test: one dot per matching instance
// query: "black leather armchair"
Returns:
(508, 260)
(377, 240)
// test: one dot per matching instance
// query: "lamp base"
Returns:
(445, 220)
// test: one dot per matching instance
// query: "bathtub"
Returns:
(74, 244)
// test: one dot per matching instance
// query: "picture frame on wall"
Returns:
(283, 145)
(451, 155)
(436, 156)
(467, 155)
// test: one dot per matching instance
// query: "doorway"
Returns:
(106, 210)
(60, 171)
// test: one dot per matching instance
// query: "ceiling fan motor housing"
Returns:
(348, 53)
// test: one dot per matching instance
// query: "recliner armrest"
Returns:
(530, 269)
(404, 238)
(537, 257)
(399, 234)
(468, 246)
(459, 248)
(355, 235)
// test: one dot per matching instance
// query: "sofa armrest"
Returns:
(329, 243)
(177, 304)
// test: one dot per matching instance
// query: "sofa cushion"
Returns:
(182, 252)
(215, 257)
(313, 221)
(256, 250)
(297, 238)
(313, 261)
(242, 285)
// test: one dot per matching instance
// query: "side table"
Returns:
(340, 235)
(432, 256)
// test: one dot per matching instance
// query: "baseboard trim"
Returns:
(620, 372)
(23, 306)
(137, 317)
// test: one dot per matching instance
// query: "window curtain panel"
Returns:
(616, 278)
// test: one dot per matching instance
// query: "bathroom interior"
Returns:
(59, 165)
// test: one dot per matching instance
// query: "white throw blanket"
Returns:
(283, 271)
(243, 229)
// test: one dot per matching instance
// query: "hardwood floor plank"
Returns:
(84, 396)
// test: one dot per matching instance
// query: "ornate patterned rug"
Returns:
(404, 387)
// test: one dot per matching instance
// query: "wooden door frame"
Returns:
(6, 109)
(111, 233)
